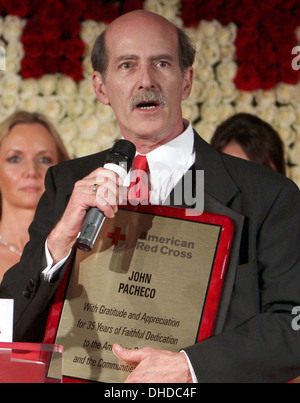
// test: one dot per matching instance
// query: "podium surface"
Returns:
(29, 363)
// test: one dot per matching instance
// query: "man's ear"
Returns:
(100, 88)
(187, 83)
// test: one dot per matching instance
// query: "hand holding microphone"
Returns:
(119, 160)
(83, 214)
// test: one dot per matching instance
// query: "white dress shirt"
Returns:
(168, 164)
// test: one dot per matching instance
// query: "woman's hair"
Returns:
(22, 117)
(260, 142)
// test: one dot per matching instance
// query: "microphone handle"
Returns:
(91, 227)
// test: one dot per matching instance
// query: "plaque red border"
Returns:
(216, 280)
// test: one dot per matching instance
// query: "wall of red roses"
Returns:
(52, 42)
(266, 34)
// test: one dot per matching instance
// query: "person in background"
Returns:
(29, 145)
(249, 137)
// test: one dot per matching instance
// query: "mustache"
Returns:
(148, 97)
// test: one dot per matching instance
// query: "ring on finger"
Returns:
(94, 189)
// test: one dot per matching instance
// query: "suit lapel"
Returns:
(216, 207)
(218, 184)
(217, 181)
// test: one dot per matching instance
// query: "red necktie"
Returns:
(139, 187)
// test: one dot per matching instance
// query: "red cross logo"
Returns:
(116, 236)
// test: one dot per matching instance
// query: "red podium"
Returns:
(29, 363)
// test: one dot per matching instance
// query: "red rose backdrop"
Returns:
(244, 64)
(266, 34)
(51, 39)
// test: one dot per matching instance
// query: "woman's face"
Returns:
(26, 153)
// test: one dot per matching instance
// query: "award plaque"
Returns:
(153, 279)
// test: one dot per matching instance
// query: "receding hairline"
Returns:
(140, 14)
(186, 49)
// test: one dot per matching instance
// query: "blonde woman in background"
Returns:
(29, 145)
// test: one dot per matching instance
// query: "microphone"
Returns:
(119, 159)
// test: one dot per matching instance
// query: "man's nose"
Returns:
(147, 80)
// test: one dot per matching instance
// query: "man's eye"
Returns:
(126, 65)
(163, 64)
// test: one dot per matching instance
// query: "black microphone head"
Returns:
(122, 153)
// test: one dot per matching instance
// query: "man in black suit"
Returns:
(146, 75)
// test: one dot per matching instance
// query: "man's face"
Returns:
(144, 83)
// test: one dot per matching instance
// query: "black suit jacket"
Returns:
(254, 340)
